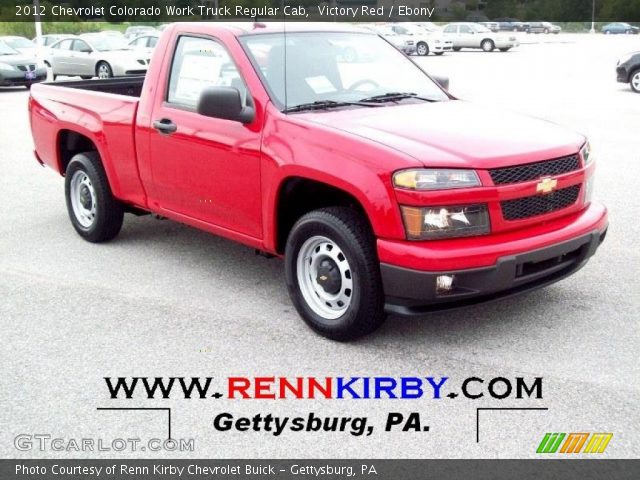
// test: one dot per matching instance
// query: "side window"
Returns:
(65, 45)
(450, 29)
(153, 41)
(465, 29)
(80, 46)
(200, 63)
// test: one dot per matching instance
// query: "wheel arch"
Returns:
(298, 195)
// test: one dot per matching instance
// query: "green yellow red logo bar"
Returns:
(574, 442)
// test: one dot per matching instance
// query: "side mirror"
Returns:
(442, 81)
(86, 50)
(224, 103)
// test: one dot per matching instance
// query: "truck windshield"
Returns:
(335, 67)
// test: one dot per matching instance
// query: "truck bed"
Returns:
(128, 86)
(102, 112)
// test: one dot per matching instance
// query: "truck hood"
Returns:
(455, 133)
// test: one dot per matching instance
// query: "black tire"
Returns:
(438, 53)
(107, 69)
(85, 77)
(352, 235)
(424, 47)
(109, 213)
(457, 49)
(506, 49)
(487, 45)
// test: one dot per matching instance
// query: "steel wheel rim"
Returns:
(83, 199)
(635, 81)
(313, 252)
(103, 71)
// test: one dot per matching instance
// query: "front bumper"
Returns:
(516, 270)
(622, 73)
(18, 78)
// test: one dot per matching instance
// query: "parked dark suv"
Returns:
(628, 70)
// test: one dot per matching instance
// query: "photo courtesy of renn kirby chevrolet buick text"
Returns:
(326, 146)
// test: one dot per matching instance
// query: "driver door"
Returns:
(204, 168)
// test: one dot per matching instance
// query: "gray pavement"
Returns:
(167, 300)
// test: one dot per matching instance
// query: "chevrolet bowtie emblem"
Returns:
(546, 185)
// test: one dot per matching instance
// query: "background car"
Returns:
(543, 27)
(474, 35)
(628, 71)
(493, 26)
(44, 42)
(145, 44)
(511, 25)
(136, 31)
(17, 69)
(404, 43)
(425, 41)
(20, 44)
(620, 27)
(95, 55)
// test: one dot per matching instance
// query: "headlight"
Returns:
(436, 179)
(6, 66)
(587, 154)
(430, 223)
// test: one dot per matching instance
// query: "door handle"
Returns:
(165, 126)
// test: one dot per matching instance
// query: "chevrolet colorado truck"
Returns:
(381, 191)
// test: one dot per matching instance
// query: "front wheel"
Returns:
(635, 81)
(103, 70)
(95, 214)
(333, 273)
(438, 53)
(487, 45)
(457, 49)
(422, 49)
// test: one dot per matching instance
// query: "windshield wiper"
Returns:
(395, 96)
(324, 104)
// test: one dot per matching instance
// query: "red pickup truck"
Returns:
(326, 146)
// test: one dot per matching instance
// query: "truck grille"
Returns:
(27, 68)
(533, 171)
(527, 207)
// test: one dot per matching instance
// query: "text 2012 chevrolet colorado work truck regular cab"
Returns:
(382, 192)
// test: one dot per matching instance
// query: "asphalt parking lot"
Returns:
(167, 300)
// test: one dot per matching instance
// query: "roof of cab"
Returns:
(256, 28)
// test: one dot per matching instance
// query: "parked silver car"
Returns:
(474, 35)
(96, 55)
(17, 69)
(426, 41)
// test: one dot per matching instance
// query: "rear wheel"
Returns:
(487, 45)
(635, 81)
(333, 273)
(506, 49)
(456, 49)
(94, 212)
(438, 53)
(422, 49)
(103, 70)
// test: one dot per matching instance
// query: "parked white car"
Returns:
(95, 55)
(426, 41)
(404, 43)
(474, 35)
(145, 44)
